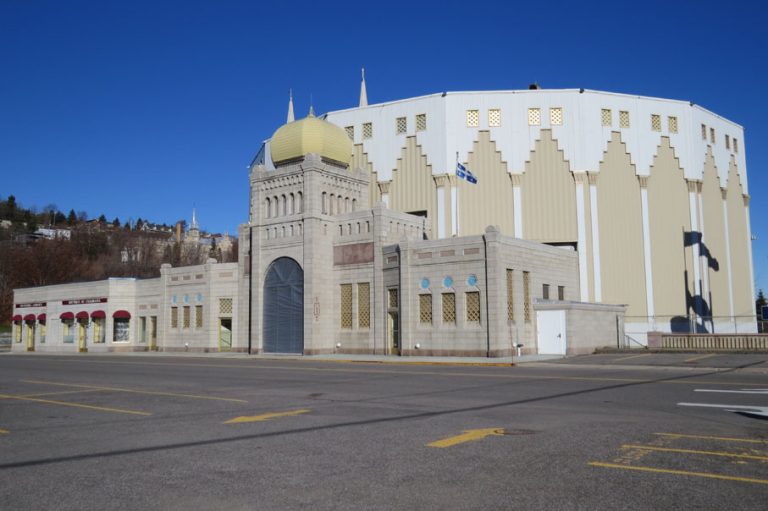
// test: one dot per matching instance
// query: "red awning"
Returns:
(41, 317)
(29, 317)
(122, 314)
(98, 314)
(67, 315)
(81, 315)
(17, 317)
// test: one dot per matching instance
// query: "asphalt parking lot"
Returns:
(655, 359)
(111, 432)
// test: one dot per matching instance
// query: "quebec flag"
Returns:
(465, 173)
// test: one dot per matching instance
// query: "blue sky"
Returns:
(144, 109)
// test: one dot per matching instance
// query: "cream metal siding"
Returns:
(743, 303)
(621, 230)
(714, 239)
(548, 195)
(669, 216)
(489, 201)
(413, 188)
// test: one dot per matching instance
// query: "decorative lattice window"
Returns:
(703, 131)
(534, 116)
(185, 320)
(510, 295)
(401, 125)
(198, 316)
(225, 306)
(425, 309)
(494, 117)
(561, 293)
(174, 317)
(672, 124)
(473, 307)
(526, 296)
(368, 130)
(735, 145)
(350, 132)
(556, 116)
(421, 122)
(623, 119)
(392, 297)
(606, 116)
(655, 122)
(449, 308)
(545, 291)
(346, 306)
(712, 135)
(473, 118)
(364, 305)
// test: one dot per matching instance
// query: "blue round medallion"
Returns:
(447, 282)
(472, 280)
(425, 283)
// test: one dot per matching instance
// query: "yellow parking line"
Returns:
(693, 359)
(678, 472)
(4, 431)
(631, 357)
(723, 438)
(133, 391)
(62, 392)
(693, 451)
(76, 405)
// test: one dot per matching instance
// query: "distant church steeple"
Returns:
(363, 92)
(193, 225)
(290, 106)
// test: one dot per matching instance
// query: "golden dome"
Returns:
(310, 135)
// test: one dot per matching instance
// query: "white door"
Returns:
(550, 332)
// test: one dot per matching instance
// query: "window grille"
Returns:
(672, 124)
(421, 122)
(623, 119)
(606, 117)
(198, 316)
(510, 295)
(401, 125)
(556, 116)
(494, 117)
(350, 132)
(449, 308)
(655, 122)
(534, 117)
(561, 293)
(712, 135)
(473, 118)
(364, 305)
(174, 317)
(185, 320)
(392, 293)
(425, 309)
(473, 307)
(703, 131)
(527, 296)
(545, 291)
(346, 306)
(735, 145)
(368, 130)
(225, 306)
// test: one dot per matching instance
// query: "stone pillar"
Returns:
(384, 190)
(517, 205)
(441, 182)
(596, 268)
(647, 244)
(581, 225)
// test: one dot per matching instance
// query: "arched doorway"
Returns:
(284, 307)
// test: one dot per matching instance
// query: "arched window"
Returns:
(332, 207)
(299, 202)
(354, 204)
(284, 205)
(275, 205)
(324, 203)
(291, 204)
(268, 213)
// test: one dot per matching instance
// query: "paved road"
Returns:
(111, 432)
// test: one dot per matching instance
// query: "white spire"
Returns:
(194, 220)
(290, 106)
(363, 92)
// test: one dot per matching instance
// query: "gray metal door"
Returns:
(284, 307)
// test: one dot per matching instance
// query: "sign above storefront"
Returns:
(84, 301)
(32, 304)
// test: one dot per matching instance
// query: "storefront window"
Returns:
(121, 330)
(42, 331)
(143, 329)
(68, 330)
(98, 330)
(17, 331)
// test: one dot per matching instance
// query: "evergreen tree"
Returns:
(102, 219)
(71, 217)
(116, 223)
